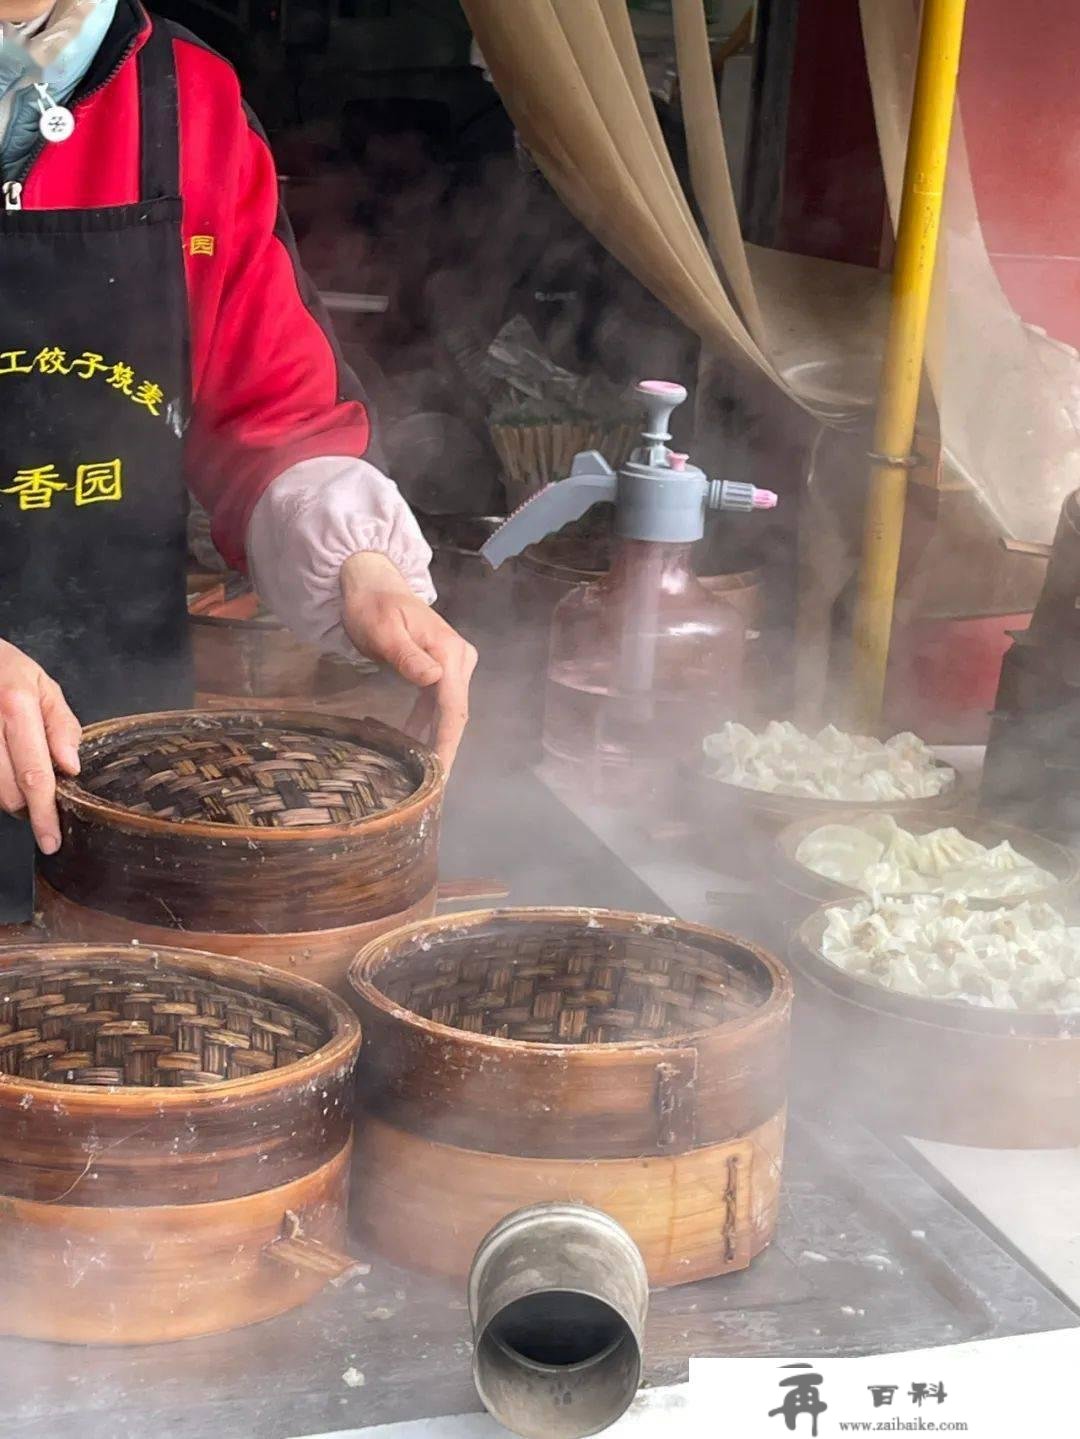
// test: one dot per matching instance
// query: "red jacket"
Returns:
(267, 380)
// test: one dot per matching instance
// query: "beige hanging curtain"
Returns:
(571, 77)
(707, 153)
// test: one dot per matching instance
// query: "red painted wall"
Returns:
(1020, 96)
(833, 202)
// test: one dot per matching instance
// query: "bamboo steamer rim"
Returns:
(268, 625)
(733, 579)
(808, 957)
(341, 1047)
(331, 696)
(1041, 850)
(262, 618)
(263, 623)
(369, 960)
(372, 732)
(999, 612)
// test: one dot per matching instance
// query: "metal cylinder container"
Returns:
(557, 1295)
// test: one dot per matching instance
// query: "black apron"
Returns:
(94, 399)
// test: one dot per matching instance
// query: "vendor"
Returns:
(157, 333)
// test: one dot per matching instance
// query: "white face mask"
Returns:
(16, 30)
(37, 43)
(24, 29)
(47, 36)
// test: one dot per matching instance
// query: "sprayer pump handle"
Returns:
(659, 397)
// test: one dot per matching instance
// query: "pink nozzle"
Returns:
(660, 387)
(677, 461)
(765, 499)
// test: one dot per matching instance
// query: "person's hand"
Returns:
(38, 733)
(386, 621)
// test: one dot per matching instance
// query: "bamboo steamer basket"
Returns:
(632, 1063)
(238, 649)
(745, 589)
(175, 1141)
(287, 837)
(939, 1069)
(808, 889)
(244, 658)
(537, 452)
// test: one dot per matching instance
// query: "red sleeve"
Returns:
(269, 386)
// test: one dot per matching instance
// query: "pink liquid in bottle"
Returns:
(643, 663)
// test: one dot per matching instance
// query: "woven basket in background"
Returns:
(533, 455)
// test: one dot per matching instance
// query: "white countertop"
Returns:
(1031, 1196)
(654, 1414)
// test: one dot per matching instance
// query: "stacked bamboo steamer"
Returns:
(631, 1063)
(739, 826)
(175, 1137)
(244, 658)
(286, 837)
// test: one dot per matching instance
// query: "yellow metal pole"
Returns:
(913, 273)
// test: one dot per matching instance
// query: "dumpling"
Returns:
(840, 852)
(895, 861)
(1026, 958)
(830, 765)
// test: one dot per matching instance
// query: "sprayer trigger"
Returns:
(591, 462)
(554, 506)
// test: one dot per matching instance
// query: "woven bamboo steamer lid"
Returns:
(289, 836)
